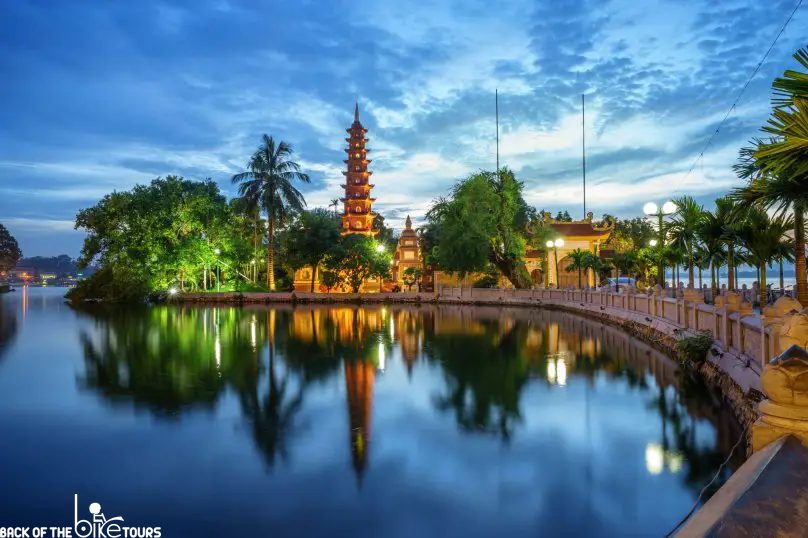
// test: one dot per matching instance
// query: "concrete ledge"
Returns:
(767, 496)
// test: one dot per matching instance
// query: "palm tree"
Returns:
(778, 167)
(672, 257)
(684, 229)
(711, 235)
(730, 214)
(765, 239)
(268, 185)
(593, 263)
(334, 203)
(577, 263)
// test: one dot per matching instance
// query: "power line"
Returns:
(743, 89)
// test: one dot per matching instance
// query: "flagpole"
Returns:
(583, 145)
(496, 107)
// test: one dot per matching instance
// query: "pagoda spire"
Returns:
(408, 223)
(358, 215)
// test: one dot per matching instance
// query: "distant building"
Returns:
(408, 253)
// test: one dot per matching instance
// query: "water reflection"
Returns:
(170, 360)
(8, 327)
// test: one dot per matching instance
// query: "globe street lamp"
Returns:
(555, 245)
(651, 210)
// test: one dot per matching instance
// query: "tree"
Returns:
(10, 252)
(764, 238)
(711, 234)
(412, 276)
(329, 279)
(563, 216)
(310, 238)
(629, 234)
(578, 260)
(684, 230)
(155, 236)
(777, 168)
(484, 221)
(268, 184)
(593, 262)
(626, 263)
(357, 258)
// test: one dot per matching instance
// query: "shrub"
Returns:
(112, 284)
(488, 280)
(693, 348)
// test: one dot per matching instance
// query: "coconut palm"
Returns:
(711, 235)
(730, 214)
(684, 229)
(268, 184)
(672, 257)
(765, 239)
(578, 260)
(778, 167)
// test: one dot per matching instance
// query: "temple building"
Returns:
(358, 215)
(580, 234)
(407, 254)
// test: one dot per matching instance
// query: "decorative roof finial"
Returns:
(356, 112)
(408, 223)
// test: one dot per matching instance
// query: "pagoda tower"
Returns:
(358, 216)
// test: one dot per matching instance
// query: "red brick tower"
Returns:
(357, 216)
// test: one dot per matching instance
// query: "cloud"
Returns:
(100, 97)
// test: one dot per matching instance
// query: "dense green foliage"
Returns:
(777, 167)
(10, 252)
(309, 239)
(358, 257)
(693, 348)
(483, 221)
(157, 236)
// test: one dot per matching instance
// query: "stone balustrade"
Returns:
(734, 326)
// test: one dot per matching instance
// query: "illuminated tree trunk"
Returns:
(731, 267)
(313, 277)
(270, 255)
(691, 281)
(764, 297)
(799, 255)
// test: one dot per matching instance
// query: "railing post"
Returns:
(785, 409)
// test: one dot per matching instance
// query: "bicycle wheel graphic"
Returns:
(84, 528)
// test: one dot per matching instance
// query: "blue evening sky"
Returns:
(97, 96)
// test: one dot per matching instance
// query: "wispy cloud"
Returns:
(100, 97)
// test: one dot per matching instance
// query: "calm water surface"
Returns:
(343, 421)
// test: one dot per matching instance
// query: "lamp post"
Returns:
(555, 246)
(651, 210)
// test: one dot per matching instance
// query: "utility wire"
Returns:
(741, 437)
(743, 89)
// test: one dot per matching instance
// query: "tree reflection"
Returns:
(272, 411)
(484, 370)
(8, 327)
(165, 359)
(170, 360)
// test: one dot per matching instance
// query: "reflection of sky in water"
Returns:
(584, 455)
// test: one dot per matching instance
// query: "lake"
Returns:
(347, 421)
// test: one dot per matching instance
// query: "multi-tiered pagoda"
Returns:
(358, 216)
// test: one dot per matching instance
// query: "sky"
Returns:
(100, 96)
